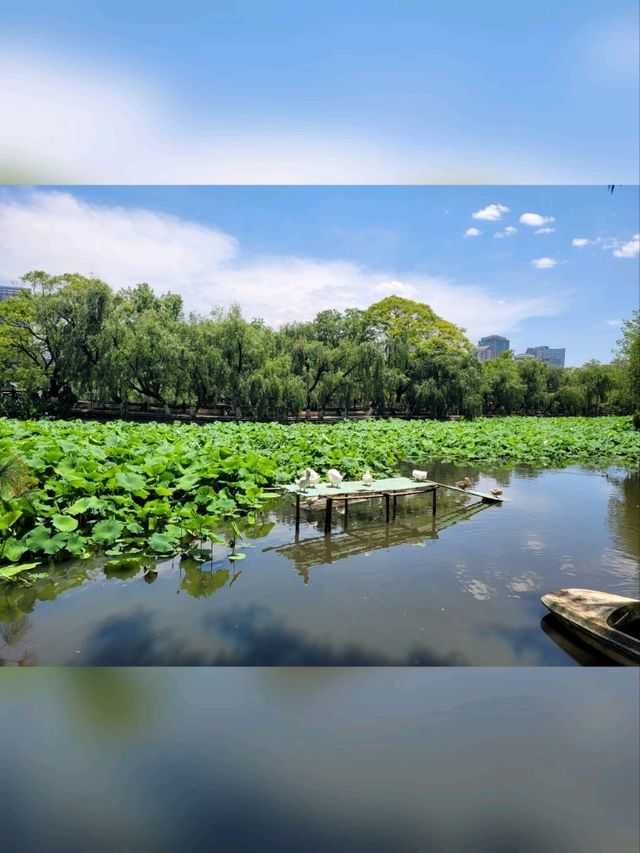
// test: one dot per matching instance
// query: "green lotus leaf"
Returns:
(64, 523)
(84, 504)
(38, 538)
(187, 482)
(55, 544)
(115, 551)
(76, 544)
(163, 491)
(161, 543)
(8, 572)
(130, 481)
(9, 518)
(13, 549)
(107, 531)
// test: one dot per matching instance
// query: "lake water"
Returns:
(463, 590)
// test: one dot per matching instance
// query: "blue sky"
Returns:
(284, 253)
(342, 92)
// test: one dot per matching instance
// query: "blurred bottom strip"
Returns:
(320, 759)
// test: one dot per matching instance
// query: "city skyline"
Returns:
(491, 346)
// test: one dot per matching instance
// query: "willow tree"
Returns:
(273, 390)
(208, 370)
(245, 347)
(54, 328)
(628, 359)
(336, 357)
(503, 388)
(147, 351)
(535, 378)
(420, 347)
(446, 380)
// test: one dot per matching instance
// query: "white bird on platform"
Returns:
(305, 480)
(367, 479)
(420, 476)
(496, 492)
(334, 477)
(314, 477)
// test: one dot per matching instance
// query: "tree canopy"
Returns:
(70, 337)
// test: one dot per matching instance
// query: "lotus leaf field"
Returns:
(125, 488)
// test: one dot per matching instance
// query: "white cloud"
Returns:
(144, 128)
(472, 232)
(393, 287)
(544, 231)
(629, 249)
(508, 232)
(535, 220)
(614, 322)
(544, 263)
(492, 212)
(139, 133)
(57, 232)
(580, 242)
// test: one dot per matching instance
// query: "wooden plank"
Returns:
(483, 495)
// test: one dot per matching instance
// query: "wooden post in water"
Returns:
(387, 504)
(346, 513)
(327, 516)
(297, 515)
(433, 501)
(395, 505)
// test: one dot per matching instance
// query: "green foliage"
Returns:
(628, 361)
(68, 337)
(196, 477)
(9, 572)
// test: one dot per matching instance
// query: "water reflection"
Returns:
(624, 512)
(200, 583)
(412, 523)
(461, 589)
(570, 643)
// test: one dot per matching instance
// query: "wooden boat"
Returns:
(610, 623)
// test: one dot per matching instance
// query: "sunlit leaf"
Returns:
(64, 523)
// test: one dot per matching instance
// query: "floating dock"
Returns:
(390, 489)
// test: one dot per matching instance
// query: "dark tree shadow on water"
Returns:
(242, 637)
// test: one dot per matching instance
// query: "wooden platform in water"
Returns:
(386, 486)
(356, 489)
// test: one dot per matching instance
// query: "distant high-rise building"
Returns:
(8, 290)
(484, 353)
(491, 347)
(553, 357)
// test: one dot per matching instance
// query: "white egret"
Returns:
(335, 477)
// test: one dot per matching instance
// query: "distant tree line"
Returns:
(69, 337)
